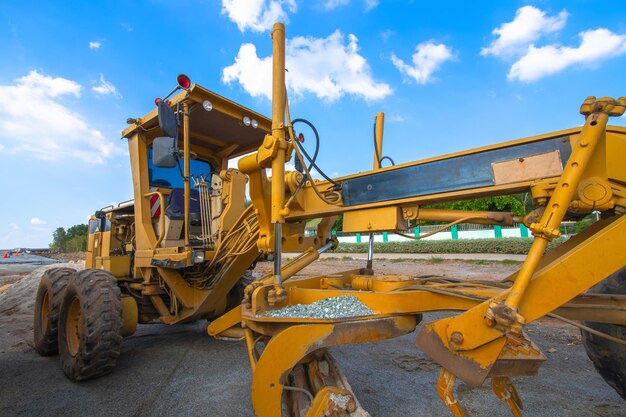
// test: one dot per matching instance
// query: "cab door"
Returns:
(94, 243)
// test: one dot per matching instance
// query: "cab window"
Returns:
(171, 177)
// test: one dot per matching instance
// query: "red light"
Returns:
(157, 101)
(301, 138)
(183, 81)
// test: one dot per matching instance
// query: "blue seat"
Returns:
(176, 206)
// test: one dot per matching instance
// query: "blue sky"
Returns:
(449, 75)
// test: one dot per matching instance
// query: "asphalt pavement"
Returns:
(181, 371)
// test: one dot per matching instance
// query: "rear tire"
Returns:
(90, 325)
(47, 307)
(608, 357)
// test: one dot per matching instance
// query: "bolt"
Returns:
(351, 407)
(456, 338)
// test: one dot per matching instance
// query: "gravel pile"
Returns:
(329, 308)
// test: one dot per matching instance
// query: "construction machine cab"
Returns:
(179, 156)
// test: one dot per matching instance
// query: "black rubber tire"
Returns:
(100, 336)
(45, 330)
(608, 357)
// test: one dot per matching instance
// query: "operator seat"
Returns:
(175, 216)
(176, 206)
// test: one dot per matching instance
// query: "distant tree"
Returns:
(518, 204)
(497, 203)
(77, 230)
(59, 236)
(72, 240)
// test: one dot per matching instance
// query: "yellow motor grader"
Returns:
(181, 249)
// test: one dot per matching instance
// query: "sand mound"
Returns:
(16, 308)
(20, 297)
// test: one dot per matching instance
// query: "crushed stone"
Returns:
(340, 400)
(329, 308)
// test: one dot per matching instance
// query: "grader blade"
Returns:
(471, 367)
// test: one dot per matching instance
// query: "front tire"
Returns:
(608, 357)
(90, 325)
(47, 307)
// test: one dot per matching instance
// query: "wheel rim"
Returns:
(73, 325)
(45, 305)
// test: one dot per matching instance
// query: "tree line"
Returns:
(73, 239)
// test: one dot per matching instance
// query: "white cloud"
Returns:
(327, 67)
(37, 220)
(396, 118)
(595, 45)
(257, 15)
(14, 226)
(105, 88)
(333, 4)
(33, 120)
(127, 27)
(428, 57)
(528, 25)
(94, 45)
(371, 4)
(517, 39)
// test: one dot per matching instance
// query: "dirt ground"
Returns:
(68, 257)
(179, 370)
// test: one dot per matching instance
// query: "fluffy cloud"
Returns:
(105, 88)
(595, 45)
(94, 45)
(428, 57)
(257, 15)
(516, 41)
(37, 221)
(34, 120)
(528, 25)
(327, 67)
